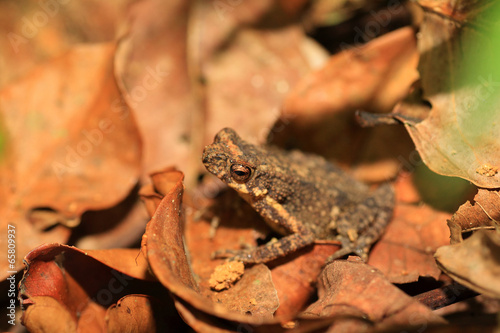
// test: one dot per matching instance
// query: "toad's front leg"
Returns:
(269, 251)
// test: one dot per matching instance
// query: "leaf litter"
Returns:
(166, 95)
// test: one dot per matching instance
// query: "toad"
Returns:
(301, 196)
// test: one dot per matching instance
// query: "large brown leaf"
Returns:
(200, 307)
(71, 146)
(33, 32)
(203, 68)
(460, 135)
(359, 296)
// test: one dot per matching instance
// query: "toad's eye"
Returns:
(240, 172)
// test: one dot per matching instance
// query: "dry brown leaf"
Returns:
(373, 77)
(229, 72)
(460, 133)
(474, 262)
(239, 227)
(49, 315)
(405, 189)
(141, 313)
(320, 108)
(163, 243)
(405, 251)
(117, 227)
(254, 294)
(353, 292)
(483, 212)
(33, 32)
(295, 277)
(69, 148)
(64, 282)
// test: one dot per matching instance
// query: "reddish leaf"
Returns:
(49, 315)
(295, 278)
(405, 251)
(352, 79)
(80, 150)
(64, 282)
(358, 291)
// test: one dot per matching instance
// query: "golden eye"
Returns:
(240, 172)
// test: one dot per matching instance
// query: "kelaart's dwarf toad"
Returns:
(301, 196)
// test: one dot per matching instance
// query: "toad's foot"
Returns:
(362, 252)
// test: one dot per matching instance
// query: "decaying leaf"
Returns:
(33, 32)
(405, 251)
(474, 262)
(141, 313)
(352, 79)
(483, 212)
(459, 136)
(65, 286)
(253, 295)
(164, 246)
(360, 296)
(296, 278)
(70, 148)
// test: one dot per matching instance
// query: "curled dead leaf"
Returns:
(474, 262)
(61, 281)
(482, 213)
(163, 244)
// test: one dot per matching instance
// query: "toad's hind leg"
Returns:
(363, 224)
